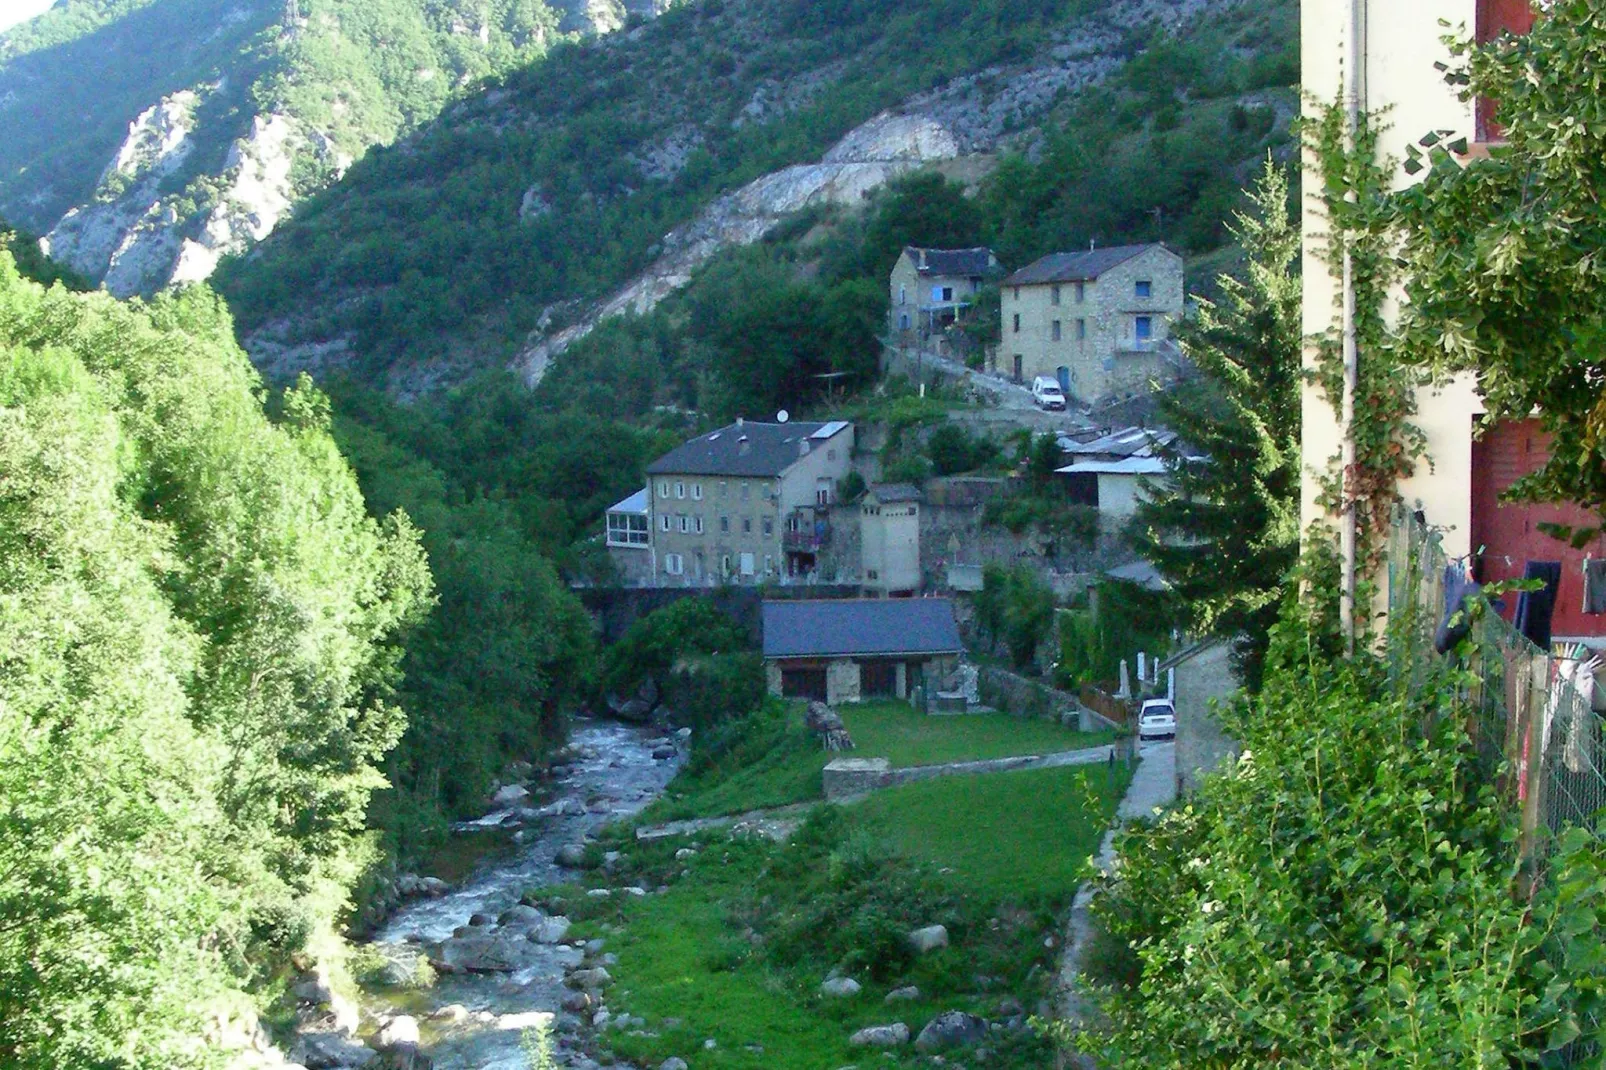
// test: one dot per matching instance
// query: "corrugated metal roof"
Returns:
(746, 449)
(1125, 466)
(860, 628)
(638, 503)
(1077, 267)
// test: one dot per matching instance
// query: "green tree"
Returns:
(1225, 531)
(1501, 254)
(925, 209)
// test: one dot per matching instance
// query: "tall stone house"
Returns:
(750, 503)
(933, 289)
(1457, 487)
(889, 533)
(1097, 321)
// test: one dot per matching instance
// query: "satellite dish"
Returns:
(782, 416)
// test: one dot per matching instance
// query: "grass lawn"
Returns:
(991, 845)
(896, 732)
(780, 764)
(1021, 836)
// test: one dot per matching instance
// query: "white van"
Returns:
(1047, 393)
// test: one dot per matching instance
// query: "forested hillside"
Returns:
(199, 625)
(147, 138)
(440, 255)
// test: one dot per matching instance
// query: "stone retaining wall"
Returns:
(848, 778)
(1020, 697)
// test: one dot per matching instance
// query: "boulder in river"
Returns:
(551, 931)
(400, 1032)
(572, 855)
(330, 1051)
(485, 953)
(509, 795)
(519, 914)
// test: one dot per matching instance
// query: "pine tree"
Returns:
(1225, 531)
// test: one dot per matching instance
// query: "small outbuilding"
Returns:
(851, 650)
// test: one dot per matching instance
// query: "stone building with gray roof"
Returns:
(856, 649)
(932, 289)
(749, 503)
(1098, 322)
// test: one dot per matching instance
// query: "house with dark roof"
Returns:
(856, 649)
(749, 503)
(933, 289)
(1098, 322)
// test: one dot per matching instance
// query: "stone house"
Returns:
(932, 289)
(1097, 321)
(857, 649)
(749, 503)
(1203, 674)
(889, 539)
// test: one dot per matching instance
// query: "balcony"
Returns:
(809, 538)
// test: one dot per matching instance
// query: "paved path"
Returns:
(1154, 785)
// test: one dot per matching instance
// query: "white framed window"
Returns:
(725, 565)
(769, 564)
(663, 522)
(696, 492)
(680, 490)
(793, 524)
(822, 496)
(626, 529)
(747, 564)
(674, 564)
(769, 526)
(697, 522)
(663, 490)
(685, 523)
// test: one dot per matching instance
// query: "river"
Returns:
(614, 775)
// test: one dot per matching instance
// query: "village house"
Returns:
(1457, 487)
(889, 539)
(933, 289)
(858, 649)
(1099, 321)
(1108, 471)
(750, 504)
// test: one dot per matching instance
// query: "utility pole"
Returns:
(1349, 536)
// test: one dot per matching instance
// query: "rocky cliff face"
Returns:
(206, 171)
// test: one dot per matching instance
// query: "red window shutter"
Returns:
(1496, 17)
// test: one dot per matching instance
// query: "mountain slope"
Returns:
(521, 206)
(206, 120)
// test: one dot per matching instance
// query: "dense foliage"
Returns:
(1224, 531)
(197, 671)
(1016, 608)
(1348, 895)
(1501, 254)
(33, 264)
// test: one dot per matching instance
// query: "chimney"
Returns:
(740, 422)
(922, 260)
(803, 447)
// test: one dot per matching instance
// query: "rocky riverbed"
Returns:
(504, 966)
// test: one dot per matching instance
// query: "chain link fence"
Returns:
(1530, 711)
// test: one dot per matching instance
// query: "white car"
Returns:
(1047, 393)
(1157, 719)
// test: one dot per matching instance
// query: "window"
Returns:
(947, 293)
(674, 564)
(663, 490)
(1081, 292)
(1145, 288)
(697, 492)
(769, 526)
(697, 522)
(725, 524)
(1017, 323)
(680, 490)
(1145, 328)
(625, 529)
(830, 455)
(1019, 362)
(1016, 289)
(663, 522)
(769, 564)
(1054, 296)
(747, 564)
(793, 524)
(725, 565)
(903, 322)
(747, 525)
(872, 575)
(822, 496)
(685, 523)
(903, 295)
(1055, 330)
(1081, 329)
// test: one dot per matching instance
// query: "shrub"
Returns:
(718, 688)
